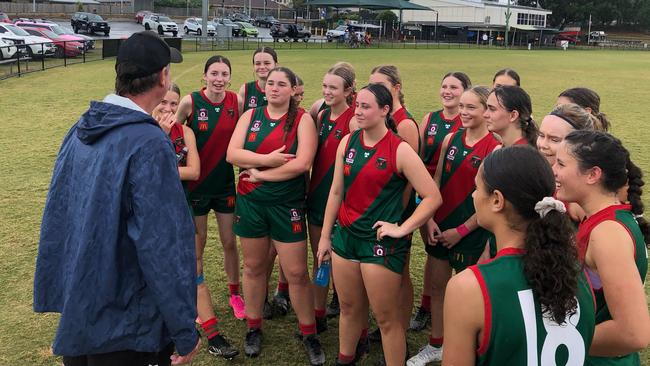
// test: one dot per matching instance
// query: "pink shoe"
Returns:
(238, 308)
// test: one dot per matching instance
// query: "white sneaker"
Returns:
(426, 355)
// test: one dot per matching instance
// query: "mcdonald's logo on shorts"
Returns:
(230, 201)
(296, 227)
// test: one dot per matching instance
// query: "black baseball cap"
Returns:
(146, 53)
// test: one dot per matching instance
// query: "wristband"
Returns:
(462, 230)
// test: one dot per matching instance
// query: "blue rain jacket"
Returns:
(116, 255)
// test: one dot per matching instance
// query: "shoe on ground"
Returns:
(363, 349)
(338, 363)
(267, 312)
(426, 355)
(420, 319)
(314, 350)
(253, 343)
(281, 303)
(219, 346)
(238, 307)
(375, 336)
(321, 325)
(333, 309)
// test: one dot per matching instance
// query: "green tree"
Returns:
(387, 16)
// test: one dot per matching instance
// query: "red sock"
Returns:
(436, 342)
(254, 323)
(425, 302)
(320, 313)
(364, 334)
(345, 359)
(233, 288)
(283, 287)
(306, 330)
(210, 328)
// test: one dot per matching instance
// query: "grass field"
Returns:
(39, 108)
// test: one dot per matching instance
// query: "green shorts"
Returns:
(315, 217)
(465, 253)
(389, 252)
(283, 222)
(202, 205)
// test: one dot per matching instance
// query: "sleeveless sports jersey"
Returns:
(460, 166)
(322, 173)
(521, 141)
(372, 186)
(515, 330)
(254, 96)
(178, 139)
(213, 125)
(622, 215)
(263, 136)
(437, 127)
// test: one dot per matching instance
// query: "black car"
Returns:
(289, 31)
(240, 17)
(90, 23)
(266, 21)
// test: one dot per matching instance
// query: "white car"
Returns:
(36, 46)
(195, 24)
(160, 23)
(7, 49)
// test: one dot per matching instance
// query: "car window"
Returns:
(33, 32)
(341, 28)
(2, 30)
(95, 18)
(164, 19)
(57, 30)
(17, 31)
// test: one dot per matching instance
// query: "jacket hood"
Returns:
(103, 117)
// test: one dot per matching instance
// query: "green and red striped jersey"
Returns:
(372, 186)
(438, 126)
(213, 125)
(263, 136)
(254, 96)
(516, 330)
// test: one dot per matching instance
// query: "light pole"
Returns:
(508, 14)
(435, 28)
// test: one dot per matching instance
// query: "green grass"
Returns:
(39, 108)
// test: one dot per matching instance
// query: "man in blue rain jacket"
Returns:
(116, 254)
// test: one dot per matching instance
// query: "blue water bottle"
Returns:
(323, 274)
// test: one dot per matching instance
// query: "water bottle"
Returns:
(323, 274)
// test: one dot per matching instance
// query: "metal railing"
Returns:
(37, 57)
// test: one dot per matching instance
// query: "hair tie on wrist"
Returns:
(547, 205)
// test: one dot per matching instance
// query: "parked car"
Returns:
(160, 23)
(288, 32)
(140, 15)
(90, 23)
(7, 49)
(68, 46)
(266, 21)
(87, 42)
(4, 18)
(339, 33)
(35, 46)
(195, 25)
(236, 28)
(240, 17)
(247, 29)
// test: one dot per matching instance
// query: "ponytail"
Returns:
(390, 123)
(550, 264)
(603, 123)
(529, 130)
(291, 117)
(634, 191)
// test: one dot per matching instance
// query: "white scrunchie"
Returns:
(547, 205)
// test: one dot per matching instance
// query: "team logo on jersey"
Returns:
(465, 153)
(430, 140)
(338, 134)
(330, 127)
(252, 136)
(203, 125)
(231, 112)
(476, 161)
(380, 163)
(256, 126)
(252, 102)
(433, 130)
(378, 250)
(366, 154)
(352, 153)
(202, 115)
(217, 109)
(447, 125)
(230, 201)
(272, 124)
(296, 220)
(295, 215)
(346, 169)
(451, 154)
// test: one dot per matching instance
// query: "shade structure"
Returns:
(369, 4)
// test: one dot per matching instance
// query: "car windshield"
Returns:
(164, 19)
(3, 16)
(247, 25)
(15, 30)
(64, 30)
(58, 30)
(95, 18)
(341, 28)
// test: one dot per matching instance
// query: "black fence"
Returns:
(20, 59)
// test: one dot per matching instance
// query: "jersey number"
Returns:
(556, 335)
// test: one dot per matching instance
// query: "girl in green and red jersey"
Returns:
(252, 93)
(334, 123)
(275, 145)
(591, 168)
(454, 239)
(532, 304)
(509, 115)
(434, 127)
(372, 170)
